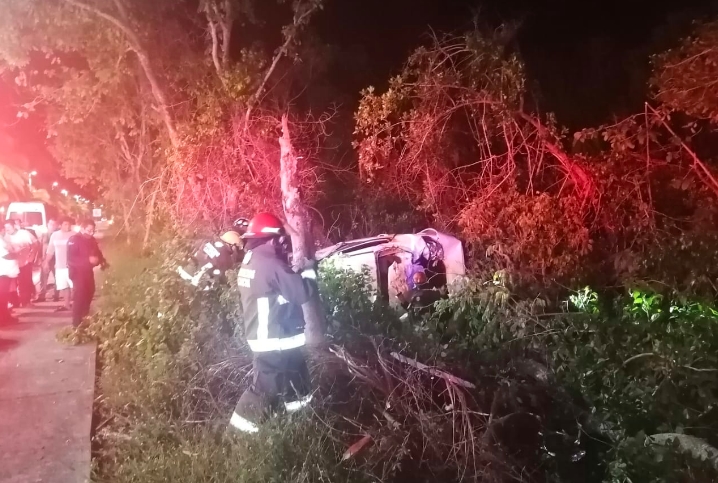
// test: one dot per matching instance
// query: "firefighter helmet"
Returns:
(240, 225)
(264, 225)
(231, 238)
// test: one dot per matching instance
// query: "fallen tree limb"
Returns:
(432, 370)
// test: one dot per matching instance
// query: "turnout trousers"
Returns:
(281, 382)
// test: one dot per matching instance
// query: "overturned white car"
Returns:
(405, 267)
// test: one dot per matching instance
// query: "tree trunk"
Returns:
(126, 220)
(150, 218)
(300, 224)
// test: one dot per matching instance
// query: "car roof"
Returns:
(353, 245)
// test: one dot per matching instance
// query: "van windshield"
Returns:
(33, 218)
(29, 217)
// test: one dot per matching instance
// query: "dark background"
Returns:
(586, 61)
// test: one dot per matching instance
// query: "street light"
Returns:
(29, 178)
(64, 192)
(54, 185)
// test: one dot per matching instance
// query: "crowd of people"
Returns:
(70, 257)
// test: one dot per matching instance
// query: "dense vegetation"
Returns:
(610, 390)
(585, 340)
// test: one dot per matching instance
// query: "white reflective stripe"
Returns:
(211, 251)
(243, 424)
(198, 275)
(297, 405)
(284, 344)
(309, 273)
(262, 318)
(216, 272)
(281, 300)
(183, 273)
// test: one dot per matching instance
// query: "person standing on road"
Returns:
(46, 268)
(9, 271)
(24, 243)
(36, 252)
(272, 296)
(56, 260)
(83, 255)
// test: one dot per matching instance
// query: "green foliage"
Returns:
(540, 236)
(585, 300)
(412, 139)
(172, 368)
(296, 450)
(154, 334)
(352, 306)
(649, 367)
(377, 213)
(13, 183)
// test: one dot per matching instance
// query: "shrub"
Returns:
(647, 367)
(537, 237)
(574, 396)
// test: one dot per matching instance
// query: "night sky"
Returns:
(586, 60)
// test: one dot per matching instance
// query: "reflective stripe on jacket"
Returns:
(272, 297)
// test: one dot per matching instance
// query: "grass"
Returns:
(173, 367)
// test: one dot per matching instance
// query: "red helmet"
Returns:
(264, 225)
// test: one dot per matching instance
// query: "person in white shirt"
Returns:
(52, 227)
(9, 271)
(24, 244)
(57, 248)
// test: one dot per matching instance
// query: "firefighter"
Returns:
(272, 296)
(215, 258)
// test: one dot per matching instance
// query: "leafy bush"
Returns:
(158, 339)
(536, 236)
(592, 388)
(172, 368)
(352, 305)
(647, 367)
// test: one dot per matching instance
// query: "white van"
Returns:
(34, 213)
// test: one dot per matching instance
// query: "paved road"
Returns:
(46, 396)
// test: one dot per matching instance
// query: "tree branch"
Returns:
(701, 169)
(215, 46)
(142, 56)
(229, 17)
(574, 171)
(299, 20)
